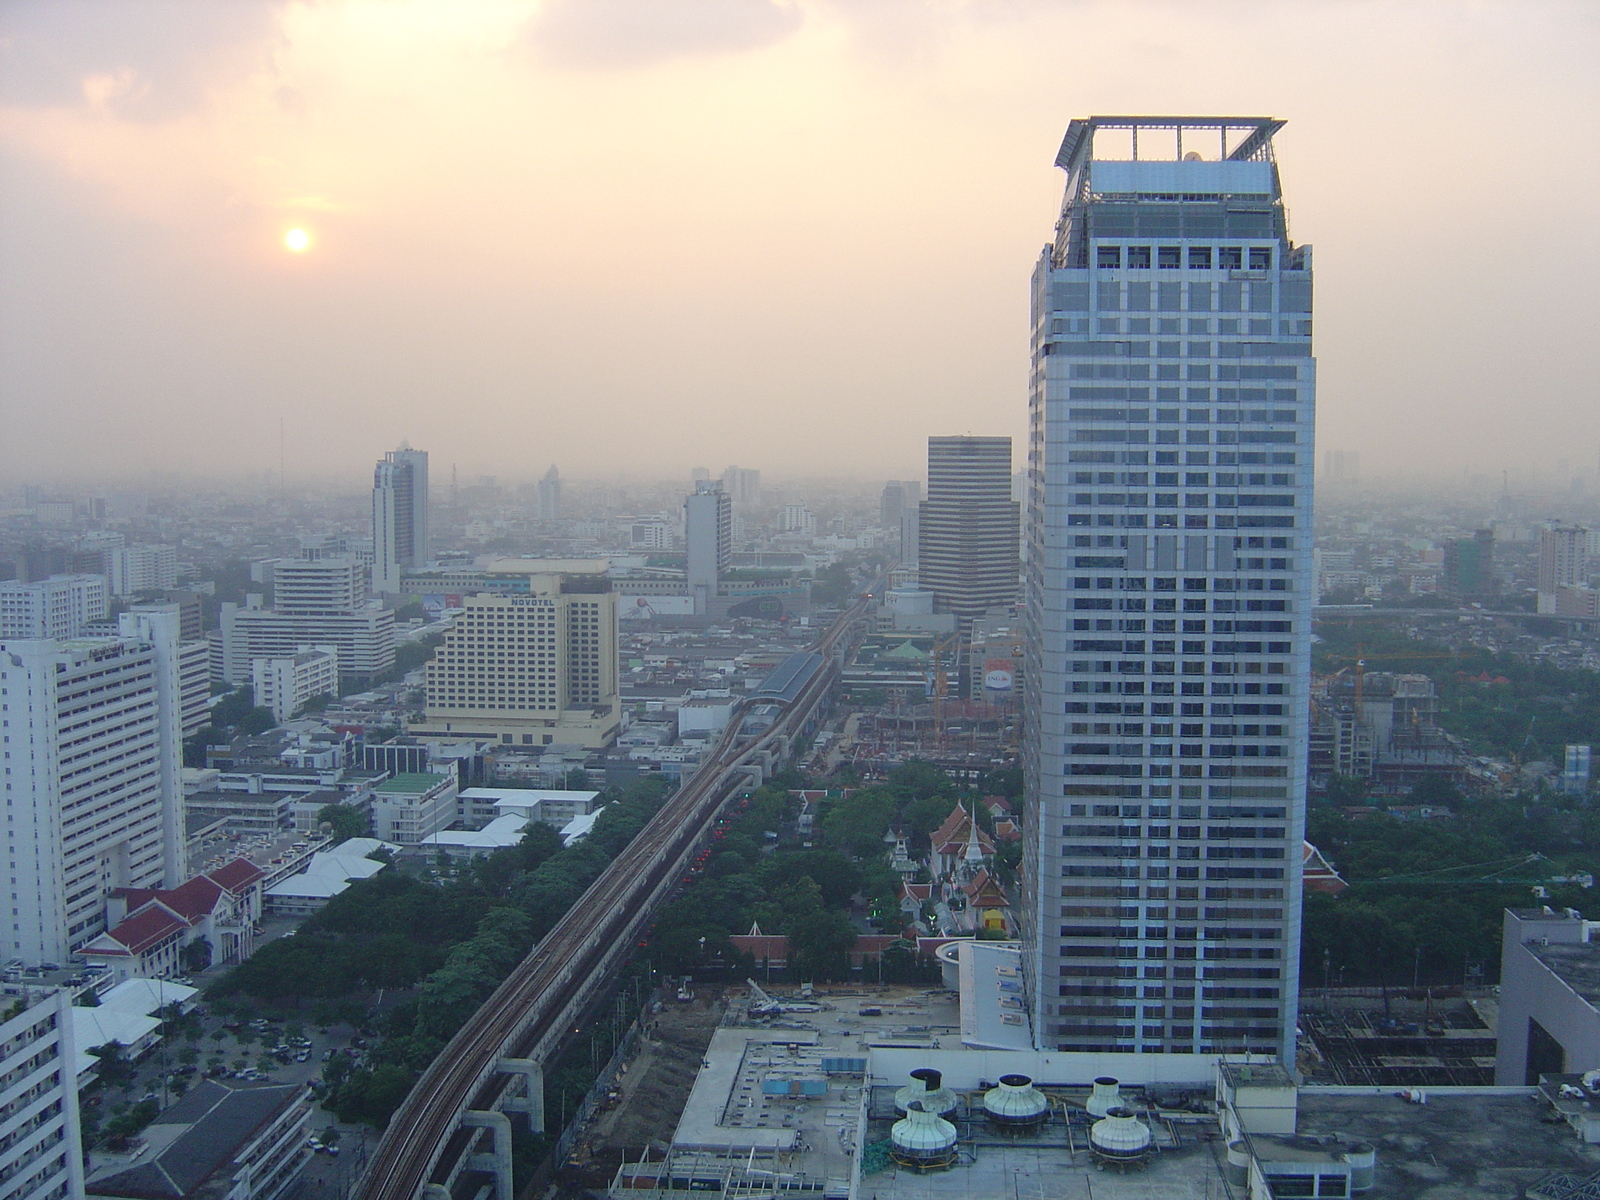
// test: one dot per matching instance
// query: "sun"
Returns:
(297, 241)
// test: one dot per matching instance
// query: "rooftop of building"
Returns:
(1576, 964)
(411, 783)
(547, 566)
(1475, 1143)
(193, 1139)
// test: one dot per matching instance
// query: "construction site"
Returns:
(944, 698)
(1398, 1039)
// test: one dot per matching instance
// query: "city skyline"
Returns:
(152, 293)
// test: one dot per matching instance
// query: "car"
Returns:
(327, 1054)
(302, 1056)
(49, 966)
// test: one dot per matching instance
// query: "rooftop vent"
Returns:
(927, 1088)
(1120, 1139)
(1107, 1094)
(923, 1141)
(1016, 1104)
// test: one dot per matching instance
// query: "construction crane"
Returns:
(941, 682)
(1492, 873)
(1360, 663)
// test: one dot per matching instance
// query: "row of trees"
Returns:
(1390, 928)
(452, 940)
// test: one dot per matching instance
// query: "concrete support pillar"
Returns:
(532, 1100)
(498, 1160)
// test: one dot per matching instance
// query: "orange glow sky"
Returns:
(643, 235)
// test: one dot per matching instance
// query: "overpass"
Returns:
(451, 1138)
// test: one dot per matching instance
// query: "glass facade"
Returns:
(1168, 595)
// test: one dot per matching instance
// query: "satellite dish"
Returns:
(1192, 156)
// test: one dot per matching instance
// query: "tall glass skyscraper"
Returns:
(399, 516)
(1168, 593)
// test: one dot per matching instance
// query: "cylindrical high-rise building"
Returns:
(1168, 595)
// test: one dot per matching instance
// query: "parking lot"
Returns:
(245, 1053)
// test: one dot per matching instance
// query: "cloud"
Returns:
(147, 61)
(639, 33)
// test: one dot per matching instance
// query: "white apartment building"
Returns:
(41, 1151)
(136, 569)
(531, 669)
(1167, 587)
(57, 607)
(399, 516)
(798, 519)
(285, 684)
(410, 808)
(93, 796)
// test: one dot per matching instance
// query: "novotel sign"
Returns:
(531, 602)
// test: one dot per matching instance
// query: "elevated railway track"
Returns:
(453, 1132)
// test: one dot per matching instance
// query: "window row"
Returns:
(1105, 687)
(1171, 258)
(1172, 326)
(1115, 708)
(1169, 583)
(1192, 458)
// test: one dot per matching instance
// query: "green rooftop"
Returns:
(414, 782)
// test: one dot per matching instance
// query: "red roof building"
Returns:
(154, 925)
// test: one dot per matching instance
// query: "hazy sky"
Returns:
(654, 234)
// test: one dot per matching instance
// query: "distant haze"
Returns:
(623, 235)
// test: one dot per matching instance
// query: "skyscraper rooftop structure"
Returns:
(967, 535)
(1168, 591)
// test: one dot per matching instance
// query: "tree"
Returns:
(820, 943)
(114, 1066)
(197, 955)
(345, 821)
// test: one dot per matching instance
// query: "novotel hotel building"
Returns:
(1168, 595)
(534, 667)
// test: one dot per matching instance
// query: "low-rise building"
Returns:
(231, 1143)
(151, 929)
(412, 807)
(327, 873)
(285, 684)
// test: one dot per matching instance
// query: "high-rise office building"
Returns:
(1469, 565)
(536, 668)
(967, 527)
(743, 484)
(898, 501)
(93, 782)
(399, 516)
(708, 538)
(1168, 596)
(549, 492)
(57, 607)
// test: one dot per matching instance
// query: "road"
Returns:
(424, 1138)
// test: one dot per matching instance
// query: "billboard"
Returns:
(999, 674)
(643, 608)
(435, 605)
